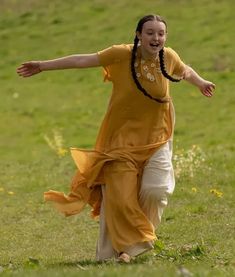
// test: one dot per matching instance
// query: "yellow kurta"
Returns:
(133, 128)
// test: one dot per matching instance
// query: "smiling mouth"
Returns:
(154, 45)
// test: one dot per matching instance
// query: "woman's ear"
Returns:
(138, 34)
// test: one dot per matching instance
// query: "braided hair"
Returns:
(161, 57)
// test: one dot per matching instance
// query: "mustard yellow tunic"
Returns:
(133, 128)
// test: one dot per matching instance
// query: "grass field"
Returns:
(42, 117)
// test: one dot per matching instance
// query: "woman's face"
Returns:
(152, 38)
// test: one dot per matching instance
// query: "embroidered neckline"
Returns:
(147, 68)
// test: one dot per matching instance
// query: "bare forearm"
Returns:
(31, 68)
(73, 61)
(61, 63)
(206, 87)
(192, 77)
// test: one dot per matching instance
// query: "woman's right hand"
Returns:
(29, 69)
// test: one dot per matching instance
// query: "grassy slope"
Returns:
(74, 102)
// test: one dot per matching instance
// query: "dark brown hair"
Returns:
(139, 28)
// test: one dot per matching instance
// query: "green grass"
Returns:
(197, 232)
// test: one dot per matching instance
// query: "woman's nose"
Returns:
(155, 36)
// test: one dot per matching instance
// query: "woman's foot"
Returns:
(124, 258)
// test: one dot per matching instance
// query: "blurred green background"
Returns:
(41, 117)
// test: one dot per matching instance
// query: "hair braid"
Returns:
(163, 69)
(133, 57)
(139, 27)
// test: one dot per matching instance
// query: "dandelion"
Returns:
(194, 189)
(216, 193)
(2, 189)
(187, 162)
(10, 193)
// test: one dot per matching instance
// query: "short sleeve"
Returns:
(108, 56)
(178, 66)
(112, 56)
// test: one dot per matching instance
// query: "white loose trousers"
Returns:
(157, 183)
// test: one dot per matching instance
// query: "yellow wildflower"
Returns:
(1, 189)
(194, 189)
(216, 192)
(56, 143)
(10, 192)
(62, 152)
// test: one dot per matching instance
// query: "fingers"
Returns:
(23, 71)
(207, 94)
(26, 74)
(26, 64)
(28, 69)
(208, 89)
(20, 68)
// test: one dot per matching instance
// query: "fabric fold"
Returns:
(133, 128)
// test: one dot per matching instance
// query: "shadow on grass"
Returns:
(93, 263)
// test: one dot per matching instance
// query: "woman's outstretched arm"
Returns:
(30, 68)
(206, 87)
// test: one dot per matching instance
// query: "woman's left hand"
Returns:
(207, 88)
